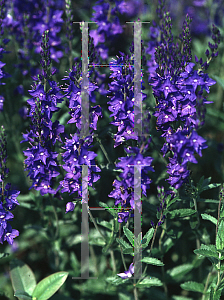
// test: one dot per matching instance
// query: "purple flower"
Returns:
(70, 206)
(128, 273)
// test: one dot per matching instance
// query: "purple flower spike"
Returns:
(127, 274)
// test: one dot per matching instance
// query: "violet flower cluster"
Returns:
(4, 42)
(76, 148)
(178, 90)
(27, 21)
(122, 106)
(41, 161)
(108, 23)
(8, 200)
(122, 100)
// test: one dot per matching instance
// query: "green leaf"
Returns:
(220, 236)
(209, 218)
(123, 296)
(170, 202)
(22, 277)
(181, 213)
(222, 212)
(123, 244)
(167, 245)
(178, 272)
(129, 251)
(2, 255)
(109, 242)
(221, 285)
(116, 280)
(211, 186)
(215, 295)
(49, 286)
(22, 295)
(153, 261)
(193, 286)
(147, 237)
(129, 235)
(206, 186)
(180, 298)
(138, 242)
(208, 200)
(104, 223)
(207, 251)
(148, 282)
(111, 210)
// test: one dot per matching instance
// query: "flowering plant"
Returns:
(115, 150)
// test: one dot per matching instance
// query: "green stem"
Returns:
(219, 266)
(135, 291)
(206, 284)
(220, 200)
(122, 255)
(153, 240)
(94, 222)
(163, 270)
(56, 218)
(113, 261)
(103, 149)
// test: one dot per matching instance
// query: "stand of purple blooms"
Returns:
(3, 74)
(122, 106)
(8, 200)
(41, 159)
(77, 148)
(180, 102)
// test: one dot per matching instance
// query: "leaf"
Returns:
(209, 218)
(170, 202)
(167, 245)
(138, 242)
(111, 210)
(207, 200)
(181, 213)
(193, 286)
(220, 236)
(215, 295)
(221, 285)
(148, 282)
(129, 235)
(129, 251)
(153, 261)
(180, 298)
(109, 242)
(104, 223)
(147, 237)
(123, 244)
(207, 251)
(210, 186)
(22, 295)
(178, 272)
(116, 280)
(123, 296)
(49, 286)
(22, 277)
(2, 255)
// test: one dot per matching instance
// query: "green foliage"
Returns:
(22, 277)
(24, 282)
(193, 286)
(49, 285)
